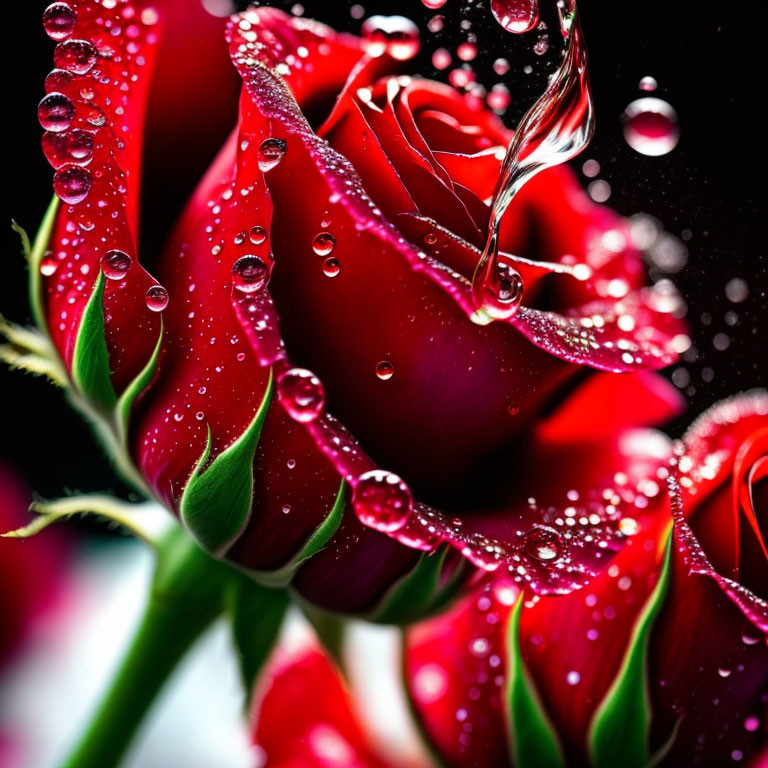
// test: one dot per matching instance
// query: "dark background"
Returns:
(709, 67)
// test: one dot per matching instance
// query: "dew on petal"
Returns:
(382, 500)
(115, 264)
(55, 112)
(157, 298)
(385, 370)
(331, 267)
(59, 20)
(543, 544)
(271, 152)
(72, 184)
(249, 273)
(323, 243)
(301, 393)
(76, 56)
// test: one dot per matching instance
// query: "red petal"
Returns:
(304, 717)
(109, 102)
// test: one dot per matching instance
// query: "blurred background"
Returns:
(704, 193)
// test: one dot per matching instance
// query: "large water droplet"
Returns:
(115, 264)
(394, 35)
(257, 235)
(516, 16)
(385, 370)
(543, 544)
(301, 393)
(55, 112)
(59, 20)
(72, 184)
(157, 298)
(331, 267)
(76, 56)
(249, 273)
(382, 500)
(271, 152)
(323, 243)
(73, 146)
(650, 126)
(499, 293)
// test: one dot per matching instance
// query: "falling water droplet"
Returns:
(55, 112)
(384, 370)
(499, 292)
(271, 152)
(115, 264)
(650, 126)
(543, 544)
(648, 83)
(72, 184)
(382, 500)
(323, 243)
(498, 97)
(441, 58)
(249, 273)
(59, 20)
(301, 393)
(157, 298)
(331, 267)
(76, 56)
(257, 235)
(394, 35)
(516, 16)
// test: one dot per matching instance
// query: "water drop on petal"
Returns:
(59, 20)
(76, 56)
(157, 298)
(543, 544)
(301, 393)
(382, 500)
(249, 273)
(72, 184)
(385, 370)
(323, 243)
(257, 235)
(55, 112)
(331, 267)
(115, 264)
(271, 152)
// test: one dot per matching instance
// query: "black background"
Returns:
(709, 65)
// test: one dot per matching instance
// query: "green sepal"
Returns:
(419, 593)
(147, 521)
(619, 731)
(217, 500)
(532, 738)
(90, 359)
(256, 615)
(34, 253)
(134, 389)
(317, 541)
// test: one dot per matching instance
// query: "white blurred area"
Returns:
(48, 692)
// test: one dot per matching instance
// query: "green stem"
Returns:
(187, 595)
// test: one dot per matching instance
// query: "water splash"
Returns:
(554, 130)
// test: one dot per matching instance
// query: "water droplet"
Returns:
(331, 267)
(573, 677)
(498, 97)
(466, 51)
(629, 526)
(499, 291)
(385, 370)
(650, 126)
(48, 265)
(76, 56)
(441, 58)
(430, 238)
(394, 35)
(724, 671)
(750, 635)
(115, 264)
(72, 184)
(433, 5)
(55, 112)
(73, 146)
(157, 298)
(249, 273)
(736, 290)
(382, 500)
(543, 544)
(301, 393)
(257, 235)
(648, 83)
(516, 16)
(513, 408)
(323, 243)
(59, 20)
(271, 152)
(501, 66)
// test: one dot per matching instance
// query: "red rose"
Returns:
(346, 249)
(661, 655)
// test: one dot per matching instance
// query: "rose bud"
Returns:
(660, 660)
(310, 384)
